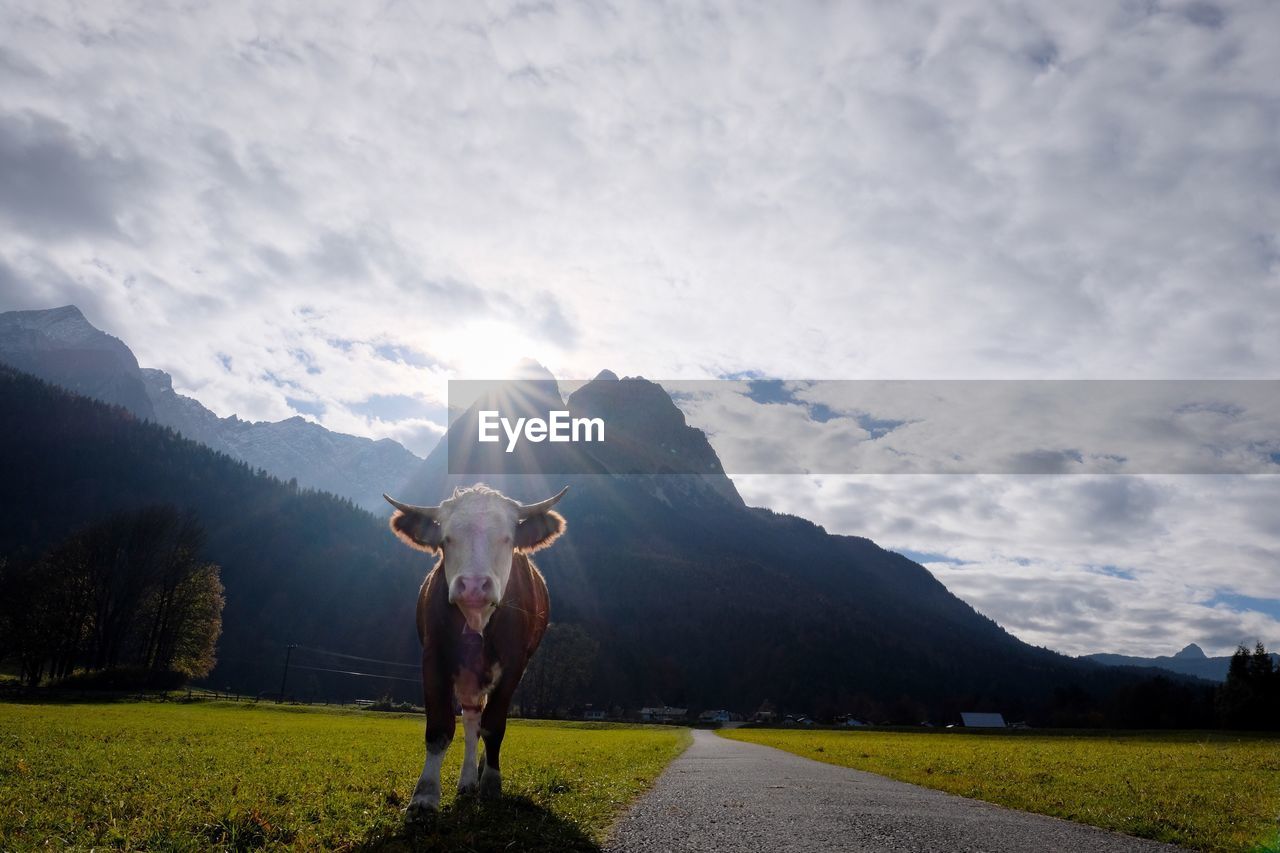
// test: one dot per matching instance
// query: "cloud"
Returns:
(54, 184)
(398, 407)
(1115, 508)
(1138, 565)
(975, 427)
(941, 190)
(935, 189)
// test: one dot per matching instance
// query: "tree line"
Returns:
(128, 593)
(559, 674)
(1250, 698)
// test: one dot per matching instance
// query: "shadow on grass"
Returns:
(471, 825)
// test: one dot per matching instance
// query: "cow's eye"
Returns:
(448, 540)
(506, 540)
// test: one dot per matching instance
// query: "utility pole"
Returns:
(285, 677)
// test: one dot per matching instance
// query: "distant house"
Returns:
(592, 713)
(766, 714)
(720, 716)
(976, 720)
(665, 714)
(853, 721)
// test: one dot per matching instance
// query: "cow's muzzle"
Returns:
(476, 596)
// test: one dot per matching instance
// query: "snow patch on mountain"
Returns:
(62, 347)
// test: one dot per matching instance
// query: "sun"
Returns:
(488, 350)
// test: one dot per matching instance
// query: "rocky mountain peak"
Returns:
(156, 378)
(66, 323)
(62, 347)
(63, 327)
(648, 446)
(647, 435)
(528, 368)
(1191, 652)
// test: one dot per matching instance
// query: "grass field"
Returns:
(199, 776)
(1212, 791)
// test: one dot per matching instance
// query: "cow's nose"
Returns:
(475, 588)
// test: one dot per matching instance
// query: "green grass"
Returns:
(1211, 791)
(232, 776)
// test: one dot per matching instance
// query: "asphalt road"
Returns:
(724, 795)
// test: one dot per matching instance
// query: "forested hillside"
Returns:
(693, 599)
(298, 567)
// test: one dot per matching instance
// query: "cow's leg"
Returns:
(493, 726)
(471, 735)
(426, 794)
(440, 726)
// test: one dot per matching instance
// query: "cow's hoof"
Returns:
(468, 788)
(421, 813)
(490, 783)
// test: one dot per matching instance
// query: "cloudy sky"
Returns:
(330, 210)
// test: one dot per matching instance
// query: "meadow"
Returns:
(244, 776)
(1207, 790)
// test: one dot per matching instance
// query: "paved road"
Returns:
(724, 795)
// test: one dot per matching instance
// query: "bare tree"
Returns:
(128, 591)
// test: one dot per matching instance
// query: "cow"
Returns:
(481, 614)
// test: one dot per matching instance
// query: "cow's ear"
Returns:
(417, 530)
(538, 531)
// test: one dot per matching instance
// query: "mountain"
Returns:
(59, 345)
(648, 445)
(298, 566)
(1190, 661)
(694, 598)
(1190, 652)
(354, 467)
(62, 347)
(649, 439)
(698, 600)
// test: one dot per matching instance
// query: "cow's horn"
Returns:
(527, 510)
(429, 511)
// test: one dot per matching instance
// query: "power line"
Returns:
(285, 677)
(361, 674)
(356, 657)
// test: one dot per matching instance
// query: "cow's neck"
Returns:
(474, 676)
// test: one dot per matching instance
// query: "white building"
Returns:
(665, 714)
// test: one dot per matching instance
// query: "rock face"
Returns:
(647, 443)
(649, 438)
(350, 466)
(183, 413)
(60, 346)
(1191, 652)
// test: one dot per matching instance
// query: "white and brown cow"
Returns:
(481, 613)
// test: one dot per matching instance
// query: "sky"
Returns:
(331, 209)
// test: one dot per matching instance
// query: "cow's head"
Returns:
(476, 531)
